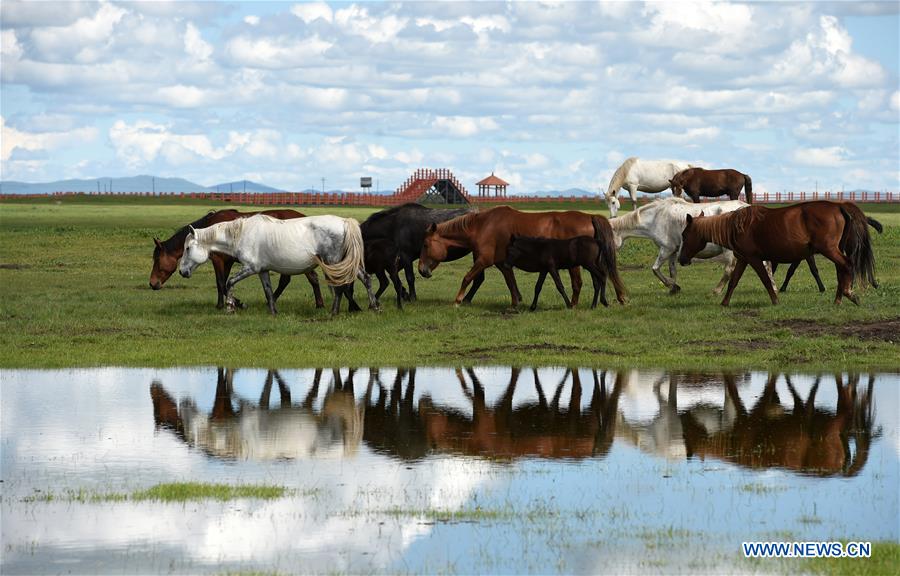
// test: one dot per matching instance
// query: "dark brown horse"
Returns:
(838, 231)
(167, 253)
(697, 182)
(487, 234)
(595, 254)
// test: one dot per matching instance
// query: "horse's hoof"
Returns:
(675, 289)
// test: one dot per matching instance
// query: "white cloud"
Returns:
(251, 20)
(830, 156)
(278, 52)
(463, 126)
(84, 40)
(145, 141)
(12, 139)
(194, 44)
(895, 101)
(357, 21)
(309, 12)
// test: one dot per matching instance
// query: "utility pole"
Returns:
(245, 186)
(154, 185)
(323, 185)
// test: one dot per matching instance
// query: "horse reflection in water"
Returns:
(258, 432)
(807, 439)
(537, 429)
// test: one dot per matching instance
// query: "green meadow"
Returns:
(74, 281)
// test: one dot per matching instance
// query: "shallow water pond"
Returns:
(486, 469)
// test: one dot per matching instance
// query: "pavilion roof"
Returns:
(492, 181)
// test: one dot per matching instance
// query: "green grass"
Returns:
(169, 492)
(74, 274)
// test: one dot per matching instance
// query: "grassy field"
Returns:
(74, 281)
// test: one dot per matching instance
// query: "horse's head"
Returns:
(164, 264)
(676, 183)
(434, 251)
(194, 255)
(613, 203)
(691, 241)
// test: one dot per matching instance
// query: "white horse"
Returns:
(641, 175)
(263, 244)
(663, 221)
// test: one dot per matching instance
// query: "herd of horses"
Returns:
(394, 418)
(732, 232)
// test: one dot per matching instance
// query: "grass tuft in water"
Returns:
(184, 491)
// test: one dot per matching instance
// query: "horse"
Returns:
(405, 226)
(382, 260)
(487, 234)
(543, 255)
(812, 264)
(663, 220)
(641, 175)
(166, 254)
(838, 231)
(264, 244)
(697, 182)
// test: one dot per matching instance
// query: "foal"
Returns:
(596, 254)
(383, 259)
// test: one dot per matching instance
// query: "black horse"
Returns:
(405, 226)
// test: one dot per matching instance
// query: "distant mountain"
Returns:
(243, 186)
(559, 193)
(128, 184)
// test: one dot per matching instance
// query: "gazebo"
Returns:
(492, 182)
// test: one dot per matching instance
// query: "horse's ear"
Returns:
(690, 219)
(191, 230)
(433, 228)
(701, 214)
(157, 242)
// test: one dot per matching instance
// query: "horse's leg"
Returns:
(727, 271)
(537, 289)
(406, 263)
(672, 272)
(382, 283)
(510, 278)
(222, 266)
(476, 284)
(283, 282)
(844, 273)
(764, 277)
(338, 292)
(398, 286)
(787, 277)
(811, 262)
(632, 191)
(575, 278)
(661, 257)
(364, 278)
(477, 267)
(230, 301)
(267, 288)
(736, 274)
(595, 280)
(347, 290)
(554, 273)
(317, 290)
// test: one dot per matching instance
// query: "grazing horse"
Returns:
(543, 255)
(263, 244)
(405, 226)
(697, 182)
(838, 231)
(636, 175)
(167, 253)
(487, 234)
(663, 220)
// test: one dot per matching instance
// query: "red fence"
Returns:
(360, 199)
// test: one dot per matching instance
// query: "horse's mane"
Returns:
(393, 210)
(177, 239)
(460, 224)
(231, 230)
(723, 229)
(619, 176)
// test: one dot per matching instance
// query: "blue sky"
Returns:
(548, 95)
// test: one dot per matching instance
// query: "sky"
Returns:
(547, 95)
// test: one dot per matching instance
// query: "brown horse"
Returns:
(697, 182)
(487, 234)
(838, 231)
(167, 253)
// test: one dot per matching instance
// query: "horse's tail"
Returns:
(748, 188)
(619, 176)
(875, 224)
(603, 234)
(344, 272)
(857, 245)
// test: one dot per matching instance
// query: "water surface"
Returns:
(486, 469)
